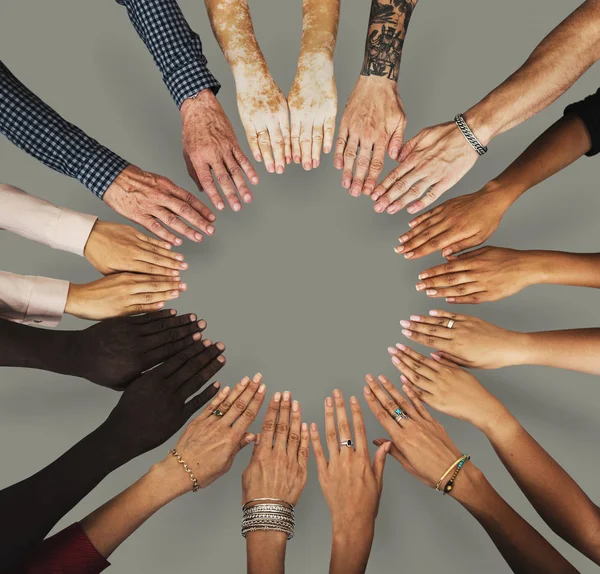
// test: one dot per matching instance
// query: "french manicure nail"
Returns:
(261, 389)
(431, 292)
(405, 323)
(399, 248)
(257, 378)
(415, 318)
(409, 255)
(423, 275)
(420, 286)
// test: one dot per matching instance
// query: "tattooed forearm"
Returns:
(388, 23)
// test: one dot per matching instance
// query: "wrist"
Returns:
(502, 194)
(490, 418)
(357, 530)
(203, 99)
(379, 83)
(481, 122)
(74, 302)
(469, 487)
(541, 267)
(170, 478)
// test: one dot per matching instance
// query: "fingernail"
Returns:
(378, 208)
(211, 217)
(405, 323)
(446, 252)
(353, 400)
(295, 406)
(270, 168)
(395, 360)
(403, 379)
(277, 397)
(286, 396)
(210, 229)
(431, 292)
(391, 350)
(178, 241)
(304, 427)
(221, 359)
(197, 237)
(411, 209)
(280, 169)
(399, 248)
(392, 209)
(160, 305)
(450, 299)
(401, 346)
(221, 206)
(407, 333)
(261, 389)
(192, 317)
(220, 346)
(329, 402)
(244, 381)
(420, 286)
(415, 318)
(226, 390)
(367, 391)
(409, 255)
(255, 180)
(288, 159)
(179, 257)
(202, 324)
(182, 286)
(183, 266)
(257, 378)
(394, 153)
(370, 378)
(307, 166)
(315, 163)
(296, 159)
(434, 313)
(313, 426)
(197, 336)
(247, 198)
(237, 206)
(174, 294)
(173, 312)
(207, 342)
(423, 275)
(216, 384)
(336, 393)
(403, 238)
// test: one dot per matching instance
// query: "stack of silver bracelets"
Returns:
(268, 514)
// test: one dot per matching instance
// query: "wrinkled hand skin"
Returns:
(262, 106)
(313, 97)
(211, 149)
(114, 352)
(156, 203)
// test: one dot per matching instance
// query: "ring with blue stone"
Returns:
(400, 415)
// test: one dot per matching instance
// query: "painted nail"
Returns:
(431, 292)
(257, 378)
(407, 333)
(409, 255)
(405, 323)
(399, 248)
(401, 346)
(391, 350)
(277, 397)
(450, 299)
(395, 360)
(415, 318)
(423, 275)
(420, 286)
(295, 406)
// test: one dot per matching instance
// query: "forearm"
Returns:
(523, 548)
(574, 350)
(232, 25)
(560, 268)
(350, 549)
(559, 146)
(266, 552)
(320, 19)
(548, 72)
(553, 493)
(388, 23)
(111, 524)
(31, 508)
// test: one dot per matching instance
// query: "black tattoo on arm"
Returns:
(388, 23)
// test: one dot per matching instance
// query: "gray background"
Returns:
(303, 284)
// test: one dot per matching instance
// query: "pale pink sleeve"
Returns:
(32, 300)
(41, 221)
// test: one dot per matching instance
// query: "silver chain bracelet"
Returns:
(469, 135)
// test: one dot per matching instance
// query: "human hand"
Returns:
(154, 407)
(113, 247)
(155, 203)
(486, 274)
(470, 342)
(121, 294)
(114, 352)
(210, 144)
(210, 443)
(455, 225)
(435, 159)
(419, 443)
(265, 115)
(279, 464)
(313, 109)
(351, 484)
(373, 121)
(446, 387)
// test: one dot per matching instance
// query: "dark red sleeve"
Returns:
(68, 552)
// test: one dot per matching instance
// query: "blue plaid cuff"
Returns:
(191, 79)
(100, 169)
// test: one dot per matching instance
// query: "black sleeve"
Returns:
(589, 112)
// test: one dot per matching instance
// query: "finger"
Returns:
(295, 429)
(224, 180)
(205, 179)
(436, 326)
(317, 144)
(295, 137)
(343, 424)
(428, 340)
(417, 404)
(242, 402)
(432, 195)
(379, 462)
(306, 145)
(195, 365)
(452, 267)
(412, 374)
(149, 262)
(170, 330)
(168, 368)
(198, 380)
(340, 146)
(457, 361)
(156, 243)
(417, 189)
(438, 358)
(252, 138)
(380, 413)
(141, 308)
(393, 451)
(245, 164)
(363, 161)
(148, 298)
(328, 134)
(458, 291)
(398, 398)
(349, 157)
(216, 402)
(278, 146)
(191, 209)
(444, 281)
(457, 317)
(237, 175)
(430, 367)
(475, 299)
(287, 143)
(242, 424)
(170, 219)
(153, 225)
(247, 438)
(331, 435)
(421, 234)
(386, 402)
(396, 142)
(320, 457)
(270, 422)
(303, 451)
(225, 406)
(162, 353)
(282, 429)
(375, 168)
(264, 143)
(197, 402)
(150, 319)
(391, 179)
(360, 434)
(462, 245)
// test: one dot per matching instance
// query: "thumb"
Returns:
(379, 461)
(393, 449)
(246, 440)
(396, 142)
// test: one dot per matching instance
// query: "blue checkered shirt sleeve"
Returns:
(36, 128)
(175, 47)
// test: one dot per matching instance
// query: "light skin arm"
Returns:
(374, 118)
(546, 75)
(474, 343)
(313, 97)
(262, 106)
(554, 494)
(469, 220)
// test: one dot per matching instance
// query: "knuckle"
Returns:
(382, 417)
(282, 428)
(430, 341)
(332, 436)
(222, 178)
(462, 289)
(268, 425)
(448, 267)
(239, 405)
(294, 437)
(250, 414)
(363, 162)
(303, 452)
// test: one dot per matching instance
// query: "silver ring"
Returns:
(400, 415)
(347, 443)
(451, 323)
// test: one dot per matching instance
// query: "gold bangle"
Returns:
(437, 486)
(195, 485)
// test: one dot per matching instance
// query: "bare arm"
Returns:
(266, 552)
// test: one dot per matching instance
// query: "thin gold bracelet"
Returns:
(195, 485)
(437, 487)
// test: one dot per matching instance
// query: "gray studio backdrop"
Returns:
(303, 285)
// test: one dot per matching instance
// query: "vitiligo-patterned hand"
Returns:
(156, 203)
(265, 115)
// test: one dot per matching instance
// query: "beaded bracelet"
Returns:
(450, 484)
(195, 485)
(441, 480)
